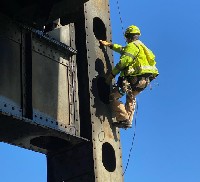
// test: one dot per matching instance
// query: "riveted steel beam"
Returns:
(38, 100)
(105, 137)
(57, 101)
(27, 134)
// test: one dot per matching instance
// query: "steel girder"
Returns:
(56, 113)
(38, 98)
(101, 159)
(105, 137)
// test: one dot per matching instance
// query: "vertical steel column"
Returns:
(73, 165)
(93, 62)
(76, 163)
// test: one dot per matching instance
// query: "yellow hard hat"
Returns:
(132, 30)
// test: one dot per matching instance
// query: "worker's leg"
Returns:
(118, 107)
(130, 105)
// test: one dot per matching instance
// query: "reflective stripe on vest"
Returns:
(149, 68)
(129, 54)
(137, 70)
(153, 68)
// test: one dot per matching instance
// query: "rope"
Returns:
(136, 110)
(133, 139)
(120, 17)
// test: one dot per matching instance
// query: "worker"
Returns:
(137, 68)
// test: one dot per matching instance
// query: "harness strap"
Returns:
(130, 55)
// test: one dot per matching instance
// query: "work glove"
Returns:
(109, 78)
(105, 43)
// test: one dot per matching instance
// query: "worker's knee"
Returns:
(142, 83)
(114, 96)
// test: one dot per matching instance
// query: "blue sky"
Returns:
(166, 147)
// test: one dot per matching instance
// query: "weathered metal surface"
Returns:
(51, 41)
(24, 133)
(8, 106)
(75, 164)
(48, 52)
(10, 79)
(75, 118)
(52, 108)
(38, 100)
(105, 137)
(71, 165)
(50, 88)
(55, 95)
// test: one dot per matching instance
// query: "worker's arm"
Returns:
(127, 56)
(122, 64)
(124, 59)
(115, 47)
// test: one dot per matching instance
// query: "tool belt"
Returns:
(134, 81)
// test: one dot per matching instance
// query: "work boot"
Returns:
(123, 124)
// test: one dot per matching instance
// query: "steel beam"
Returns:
(103, 158)
(38, 100)
(105, 137)
(53, 99)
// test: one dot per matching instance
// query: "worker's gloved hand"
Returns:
(109, 79)
(105, 43)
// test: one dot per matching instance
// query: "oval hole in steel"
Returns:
(108, 157)
(99, 29)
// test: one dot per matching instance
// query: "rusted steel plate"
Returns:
(105, 137)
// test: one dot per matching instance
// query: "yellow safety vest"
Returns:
(136, 59)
